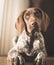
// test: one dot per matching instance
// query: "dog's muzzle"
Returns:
(36, 26)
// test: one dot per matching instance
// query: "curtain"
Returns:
(12, 9)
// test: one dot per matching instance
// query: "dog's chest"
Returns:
(28, 43)
(33, 43)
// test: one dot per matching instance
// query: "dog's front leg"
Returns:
(40, 59)
(15, 57)
(17, 61)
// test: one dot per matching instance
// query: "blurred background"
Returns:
(10, 10)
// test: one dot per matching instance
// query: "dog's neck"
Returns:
(30, 38)
(32, 34)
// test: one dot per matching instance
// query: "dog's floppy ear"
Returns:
(45, 21)
(20, 23)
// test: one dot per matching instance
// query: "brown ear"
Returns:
(20, 23)
(45, 22)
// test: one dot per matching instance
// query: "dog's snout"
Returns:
(35, 24)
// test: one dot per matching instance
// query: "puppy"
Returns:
(30, 45)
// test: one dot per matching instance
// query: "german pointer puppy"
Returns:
(30, 45)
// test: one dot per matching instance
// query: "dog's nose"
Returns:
(35, 24)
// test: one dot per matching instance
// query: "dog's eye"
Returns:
(38, 14)
(27, 15)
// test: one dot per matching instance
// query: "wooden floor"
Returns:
(3, 61)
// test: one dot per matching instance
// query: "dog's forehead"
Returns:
(32, 10)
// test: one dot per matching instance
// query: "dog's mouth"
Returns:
(32, 27)
(35, 26)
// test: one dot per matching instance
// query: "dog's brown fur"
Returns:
(44, 21)
(29, 25)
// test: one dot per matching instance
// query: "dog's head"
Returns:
(33, 19)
